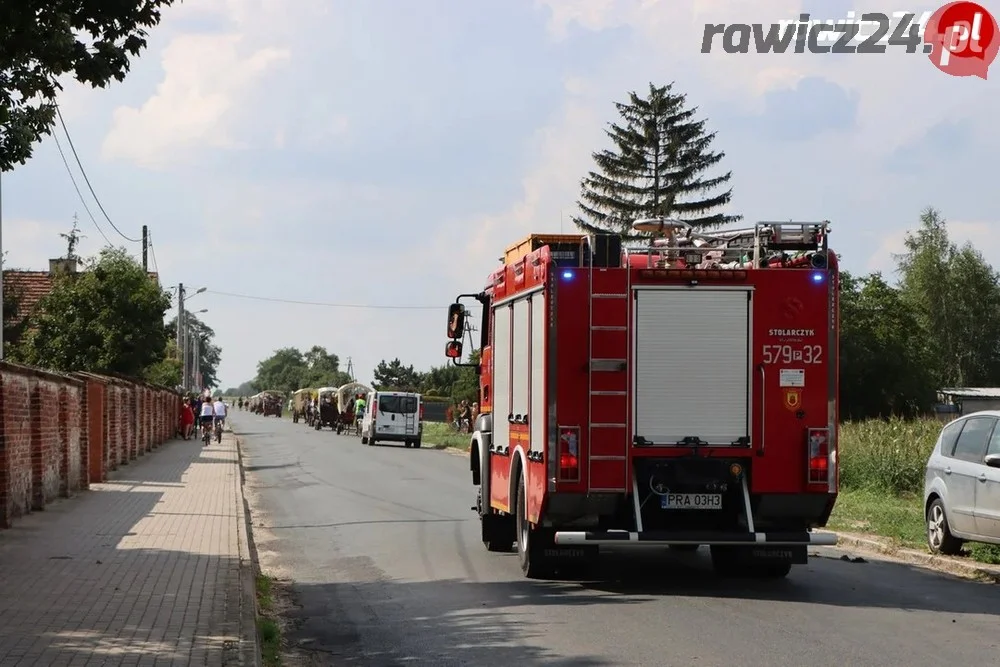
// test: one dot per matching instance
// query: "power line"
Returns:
(362, 306)
(152, 252)
(78, 193)
(87, 180)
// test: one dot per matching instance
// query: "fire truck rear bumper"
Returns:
(653, 538)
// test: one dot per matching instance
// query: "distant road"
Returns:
(388, 568)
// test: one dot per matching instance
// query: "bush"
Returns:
(886, 455)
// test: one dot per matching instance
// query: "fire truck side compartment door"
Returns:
(539, 321)
(501, 375)
(691, 365)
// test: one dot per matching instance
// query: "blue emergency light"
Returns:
(567, 275)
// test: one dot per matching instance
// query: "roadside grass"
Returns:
(267, 627)
(441, 436)
(882, 465)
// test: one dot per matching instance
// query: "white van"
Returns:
(393, 416)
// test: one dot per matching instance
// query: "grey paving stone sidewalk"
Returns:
(144, 569)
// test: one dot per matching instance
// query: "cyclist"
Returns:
(207, 417)
(221, 411)
(359, 410)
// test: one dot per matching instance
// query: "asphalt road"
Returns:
(388, 569)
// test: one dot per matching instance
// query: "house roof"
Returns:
(972, 392)
(31, 286)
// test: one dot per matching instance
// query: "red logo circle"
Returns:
(963, 39)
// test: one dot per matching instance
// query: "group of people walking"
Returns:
(206, 409)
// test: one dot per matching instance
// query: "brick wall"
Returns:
(59, 433)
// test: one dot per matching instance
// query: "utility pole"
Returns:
(182, 335)
(145, 248)
(350, 369)
(180, 313)
(185, 376)
(196, 365)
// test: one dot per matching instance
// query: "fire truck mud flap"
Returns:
(665, 538)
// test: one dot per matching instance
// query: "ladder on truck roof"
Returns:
(608, 376)
(676, 244)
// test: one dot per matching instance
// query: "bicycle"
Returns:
(218, 429)
(206, 433)
(357, 426)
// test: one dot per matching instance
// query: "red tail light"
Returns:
(819, 455)
(569, 453)
(421, 412)
(374, 408)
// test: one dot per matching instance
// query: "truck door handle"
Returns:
(982, 478)
(947, 471)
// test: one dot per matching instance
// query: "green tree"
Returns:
(394, 376)
(441, 380)
(467, 387)
(656, 168)
(245, 389)
(884, 368)
(955, 296)
(108, 318)
(210, 354)
(285, 371)
(323, 369)
(289, 369)
(14, 321)
(41, 41)
(166, 372)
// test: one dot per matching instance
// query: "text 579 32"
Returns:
(790, 354)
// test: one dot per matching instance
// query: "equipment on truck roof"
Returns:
(679, 391)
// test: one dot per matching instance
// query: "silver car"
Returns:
(962, 484)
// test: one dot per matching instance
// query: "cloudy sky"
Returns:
(383, 153)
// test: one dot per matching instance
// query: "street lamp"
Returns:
(180, 309)
(182, 340)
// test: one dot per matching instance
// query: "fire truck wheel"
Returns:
(530, 541)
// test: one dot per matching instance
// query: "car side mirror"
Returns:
(992, 460)
(456, 321)
(453, 350)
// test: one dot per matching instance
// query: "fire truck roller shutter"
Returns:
(520, 349)
(501, 394)
(539, 322)
(519, 390)
(691, 365)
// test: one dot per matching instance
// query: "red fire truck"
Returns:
(681, 393)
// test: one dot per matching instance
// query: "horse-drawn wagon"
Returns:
(346, 395)
(300, 404)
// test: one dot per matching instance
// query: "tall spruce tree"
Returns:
(656, 169)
